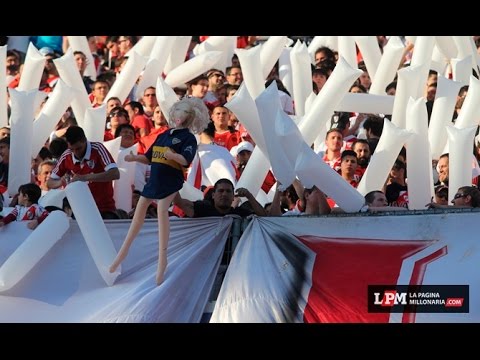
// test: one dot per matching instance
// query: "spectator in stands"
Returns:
(234, 75)
(44, 171)
(90, 162)
(362, 149)
(396, 190)
(374, 128)
(4, 132)
(443, 169)
(4, 160)
(377, 201)
(223, 196)
(466, 197)
(149, 101)
(348, 167)
(27, 208)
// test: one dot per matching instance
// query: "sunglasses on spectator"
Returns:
(117, 113)
(458, 196)
(148, 95)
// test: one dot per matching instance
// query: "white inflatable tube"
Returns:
(33, 249)
(189, 192)
(128, 77)
(69, 73)
(93, 229)
(371, 54)
(446, 46)
(420, 177)
(113, 147)
(178, 53)
(252, 72)
(302, 76)
(122, 188)
(470, 113)
(3, 87)
(94, 125)
(254, 173)
(407, 86)
(312, 170)
(243, 106)
(32, 70)
(285, 70)
(80, 43)
(460, 143)
(366, 103)
(381, 162)
(270, 53)
(388, 66)
(143, 47)
(462, 70)
(21, 122)
(422, 56)
(442, 113)
(58, 101)
(166, 97)
(192, 68)
(337, 85)
(347, 49)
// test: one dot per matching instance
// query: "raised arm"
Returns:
(184, 204)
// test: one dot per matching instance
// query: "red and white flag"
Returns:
(319, 269)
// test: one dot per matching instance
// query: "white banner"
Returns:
(296, 270)
(65, 285)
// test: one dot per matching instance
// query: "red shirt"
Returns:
(97, 159)
(228, 139)
(145, 142)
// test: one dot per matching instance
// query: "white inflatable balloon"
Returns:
(285, 70)
(347, 49)
(3, 87)
(381, 162)
(122, 188)
(113, 147)
(420, 177)
(268, 105)
(192, 68)
(407, 86)
(178, 53)
(302, 76)
(366, 103)
(189, 192)
(317, 42)
(166, 97)
(254, 173)
(94, 125)
(439, 62)
(270, 53)
(465, 49)
(422, 56)
(21, 122)
(388, 66)
(446, 46)
(470, 114)
(69, 73)
(442, 114)
(370, 50)
(462, 70)
(128, 77)
(148, 78)
(93, 229)
(225, 44)
(80, 43)
(32, 69)
(33, 249)
(58, 101)
(337, 85)
(252, 72)
(243, 106)
(143, 47)
(460, 156)
(312, 170)
(53, 197)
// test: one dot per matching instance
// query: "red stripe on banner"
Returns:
(418, 273)
(344, 268)
(198, 176)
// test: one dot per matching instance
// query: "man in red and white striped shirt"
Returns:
(90, 162)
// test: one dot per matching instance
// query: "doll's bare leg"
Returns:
(163, 236)
(135, 226)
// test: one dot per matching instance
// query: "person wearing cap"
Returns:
(242, 153)
(215, 80)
